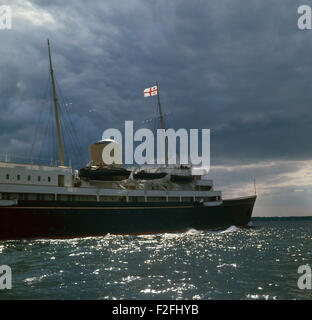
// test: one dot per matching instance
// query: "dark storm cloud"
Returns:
(241, 68)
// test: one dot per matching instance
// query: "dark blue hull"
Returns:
(56, 219)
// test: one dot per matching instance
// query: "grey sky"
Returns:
(239, 67)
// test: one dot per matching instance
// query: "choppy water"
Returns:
(258, 263)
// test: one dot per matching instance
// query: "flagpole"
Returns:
(162, 125)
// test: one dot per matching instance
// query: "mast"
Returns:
(56, 110)
(162, 124)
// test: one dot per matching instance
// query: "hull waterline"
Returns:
(56, 219)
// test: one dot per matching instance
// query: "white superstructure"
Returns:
(37, 182)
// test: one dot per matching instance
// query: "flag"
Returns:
(153, 91)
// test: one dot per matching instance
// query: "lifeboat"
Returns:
(104, 174)
(143, 175)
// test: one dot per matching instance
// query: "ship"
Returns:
(56, 202)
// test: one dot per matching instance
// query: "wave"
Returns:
(227, 230)
(230, 229)
(192, 230)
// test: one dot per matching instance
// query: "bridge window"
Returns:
(18, 177)
(7, 176)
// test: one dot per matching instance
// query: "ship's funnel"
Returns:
(96, 151)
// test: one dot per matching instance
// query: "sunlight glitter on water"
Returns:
(258, 263)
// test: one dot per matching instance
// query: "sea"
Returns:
(259, 262)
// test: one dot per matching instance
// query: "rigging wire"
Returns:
(45, 133)
(38, 122)
(67, 143)
(70, 129)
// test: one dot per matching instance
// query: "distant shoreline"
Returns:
(289, 218)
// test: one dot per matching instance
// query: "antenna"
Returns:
(255, 186)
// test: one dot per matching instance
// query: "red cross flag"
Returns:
(148, 92)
